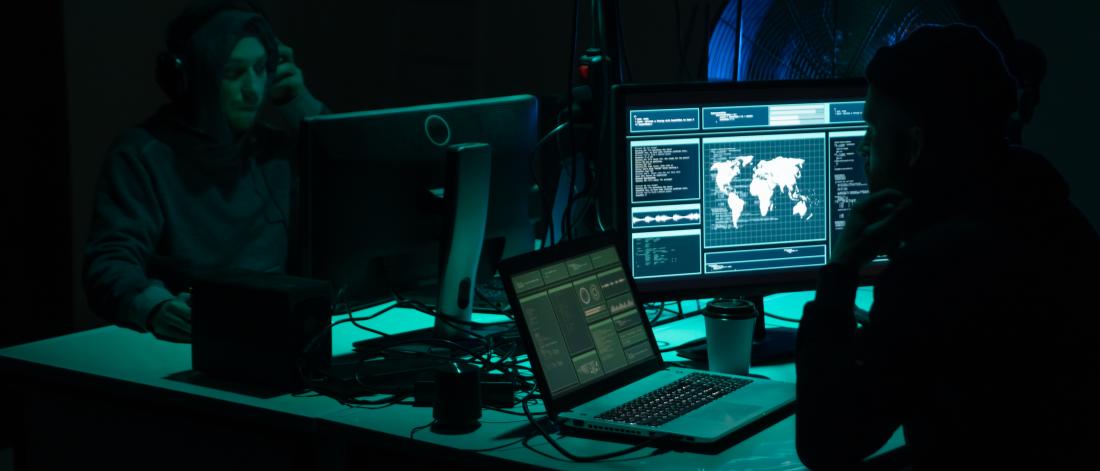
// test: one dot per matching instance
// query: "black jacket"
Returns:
(982, 340)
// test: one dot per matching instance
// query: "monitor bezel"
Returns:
(720, 93)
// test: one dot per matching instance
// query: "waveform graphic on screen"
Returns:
(664, 218)
(653, 217)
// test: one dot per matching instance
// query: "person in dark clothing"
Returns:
(201, 185)
(981, 342)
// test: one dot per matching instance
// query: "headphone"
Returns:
(172, 63)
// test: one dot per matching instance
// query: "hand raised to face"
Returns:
(288, 83)
(873, 227)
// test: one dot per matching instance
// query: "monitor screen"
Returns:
(371, 195)
(735, 188)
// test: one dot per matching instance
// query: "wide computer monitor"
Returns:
(372, 201)
(735, 188)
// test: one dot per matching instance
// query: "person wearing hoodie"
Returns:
(981, 338)
(201, 185)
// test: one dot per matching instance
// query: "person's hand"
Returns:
(873, 227)
(288, 83)
(171, 321)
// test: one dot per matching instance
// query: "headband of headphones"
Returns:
(172, 67)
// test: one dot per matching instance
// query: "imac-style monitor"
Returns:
(372, 197)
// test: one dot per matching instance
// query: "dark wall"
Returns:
(1064, 127)
(361, 55)
(110, 48)
(36, 297)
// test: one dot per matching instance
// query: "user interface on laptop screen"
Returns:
(582, 318)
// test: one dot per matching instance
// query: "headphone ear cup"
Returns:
(171, 75)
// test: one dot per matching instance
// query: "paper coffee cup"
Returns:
(729, 325)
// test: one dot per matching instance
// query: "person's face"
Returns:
(243, 81)
(892, 143)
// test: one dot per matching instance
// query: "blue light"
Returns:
(769, 40)
(721, 51)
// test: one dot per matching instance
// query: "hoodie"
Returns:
(981, 337)
(181, 195)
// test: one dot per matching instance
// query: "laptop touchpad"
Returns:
(720, 412)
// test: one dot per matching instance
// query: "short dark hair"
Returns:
(945, 76)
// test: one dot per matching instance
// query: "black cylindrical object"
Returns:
(458, 399)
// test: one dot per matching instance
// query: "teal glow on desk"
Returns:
(78, 384)
(390, 427)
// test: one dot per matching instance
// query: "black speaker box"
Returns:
(253, 327)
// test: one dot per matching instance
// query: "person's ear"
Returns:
(916, 144)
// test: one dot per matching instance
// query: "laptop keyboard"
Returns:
(675, 399)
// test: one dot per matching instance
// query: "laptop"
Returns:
(596, 361)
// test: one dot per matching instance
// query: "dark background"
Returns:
(78, 71)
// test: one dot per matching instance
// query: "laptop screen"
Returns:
(577, 308)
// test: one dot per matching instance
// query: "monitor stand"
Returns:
(426, 335)
(466, 202)
(393, 364)
(770, 345)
